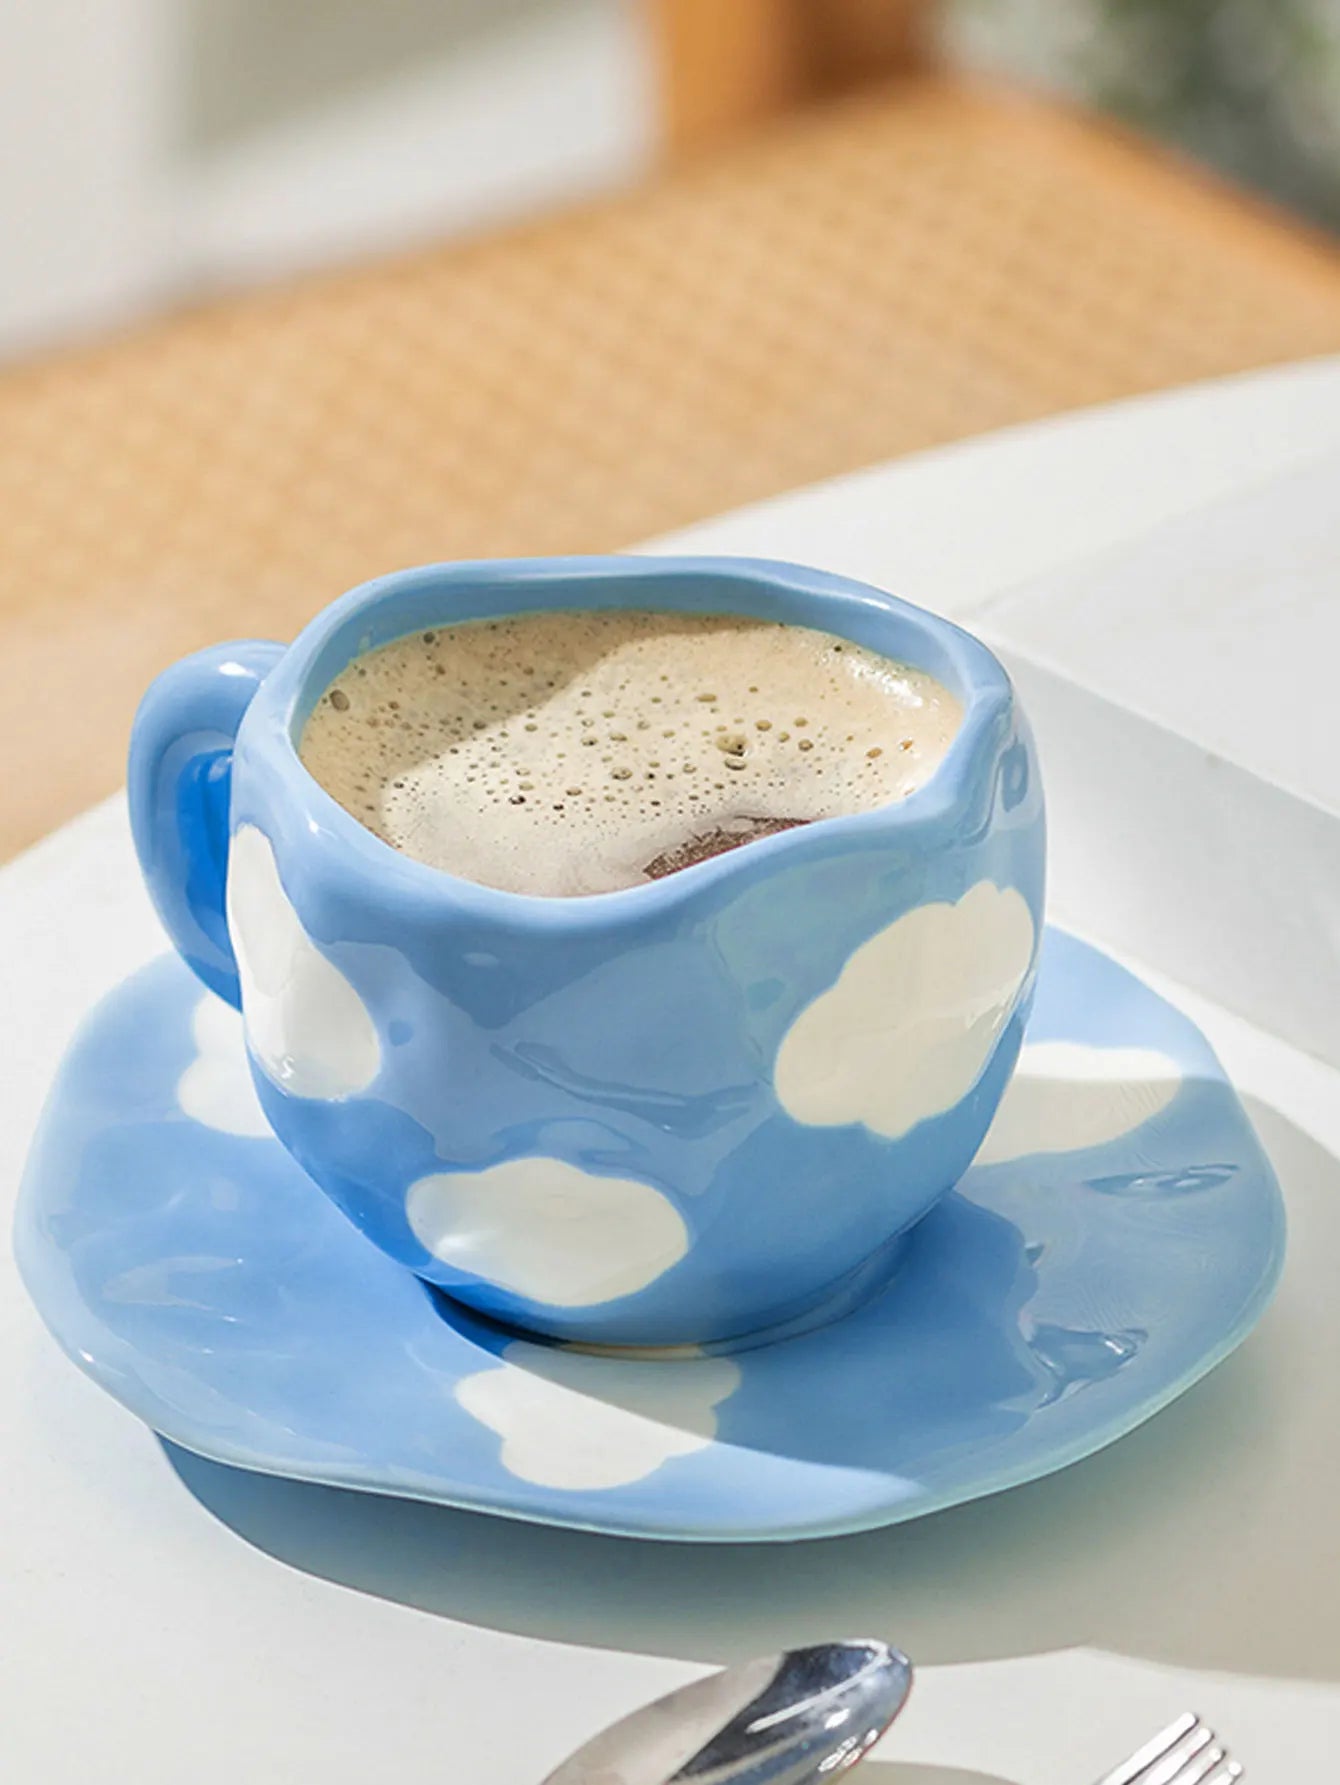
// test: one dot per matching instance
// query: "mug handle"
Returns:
(178, 782)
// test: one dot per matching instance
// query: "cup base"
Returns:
(859, 1286)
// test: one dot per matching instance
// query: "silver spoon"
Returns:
(790, 1719)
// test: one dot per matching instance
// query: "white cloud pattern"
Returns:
(546, 1229)
(573, 1421)
(308, 1028)
(1067, 1095)
(910, 1025)
(216, 1087)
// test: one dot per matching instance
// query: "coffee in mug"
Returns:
(584, 751)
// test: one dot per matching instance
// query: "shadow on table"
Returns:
(1198, 1541)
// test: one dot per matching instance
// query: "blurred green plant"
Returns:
(1252, 86)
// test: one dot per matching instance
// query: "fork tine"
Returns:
(1162, 1745)
(1174, 1768)
(1228, 1774)
(1200, 1765)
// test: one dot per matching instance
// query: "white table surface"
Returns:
(1163, 581)
(163, 1618)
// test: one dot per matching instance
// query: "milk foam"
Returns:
(564, 753)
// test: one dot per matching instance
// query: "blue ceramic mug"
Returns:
(692, 1110)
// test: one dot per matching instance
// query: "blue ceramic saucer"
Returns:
(1119, 1235)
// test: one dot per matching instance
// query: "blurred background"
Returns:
(152, 150)
(297, 291)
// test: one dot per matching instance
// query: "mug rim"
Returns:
(829, 602)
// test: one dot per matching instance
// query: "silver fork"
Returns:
(1185, 1753)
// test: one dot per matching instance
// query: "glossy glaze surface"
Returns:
(798, 1718)
(1125, 1238)
(700, 1104)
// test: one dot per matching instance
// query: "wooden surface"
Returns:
(724, 67)
(897, 271)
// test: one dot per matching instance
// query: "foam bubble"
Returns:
(459, 745)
